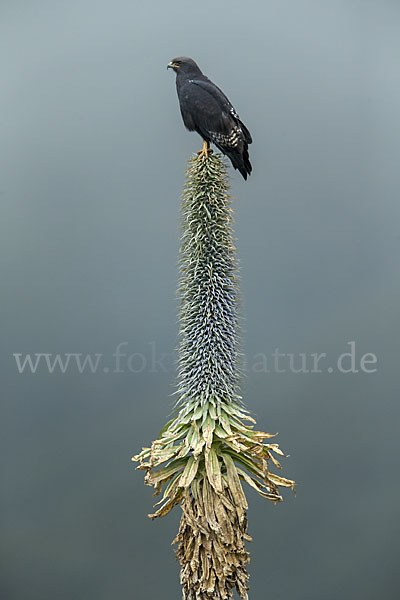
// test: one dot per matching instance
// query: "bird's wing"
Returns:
(223, 102)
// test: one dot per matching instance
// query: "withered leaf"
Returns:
(213, 469)
(189, 472)
(167, 507)
(281, 481)
(166, 472)
(234, 482)
(262, 489)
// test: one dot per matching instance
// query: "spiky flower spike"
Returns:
(206, 451)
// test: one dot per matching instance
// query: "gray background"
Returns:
(92, 164)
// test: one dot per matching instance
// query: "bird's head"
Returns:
(183, 64)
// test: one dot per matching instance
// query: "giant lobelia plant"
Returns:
(210, 447)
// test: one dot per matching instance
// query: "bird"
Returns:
(206, 110)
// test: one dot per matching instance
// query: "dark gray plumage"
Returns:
(206, 109)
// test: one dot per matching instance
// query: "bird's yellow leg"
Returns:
(206, 150)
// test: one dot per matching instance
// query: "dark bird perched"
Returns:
(206, 109)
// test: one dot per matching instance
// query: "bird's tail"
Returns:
(241, 161)
(246, 133)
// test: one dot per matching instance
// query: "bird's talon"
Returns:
(205, 151)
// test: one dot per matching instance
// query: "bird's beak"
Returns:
(172, 65)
